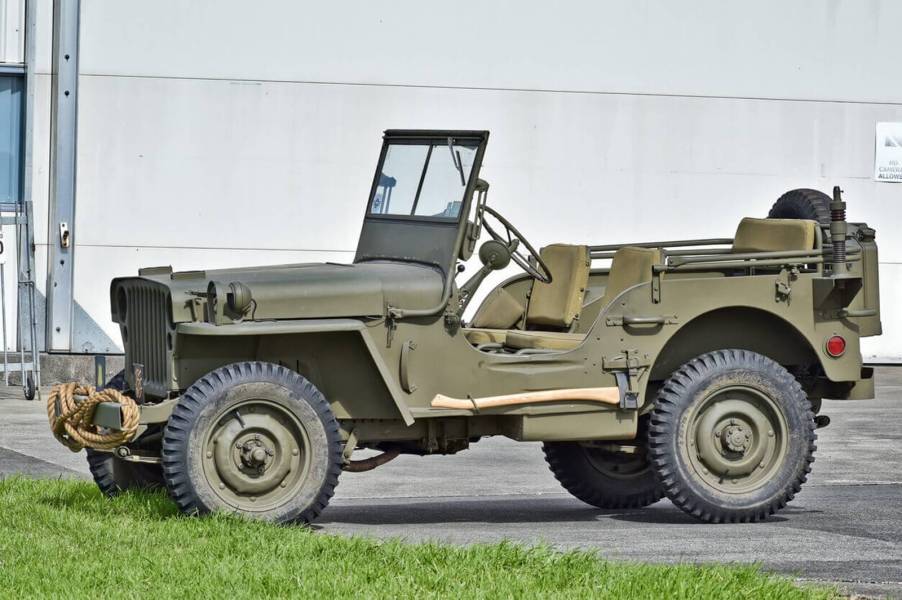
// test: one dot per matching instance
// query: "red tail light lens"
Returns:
(836, 346)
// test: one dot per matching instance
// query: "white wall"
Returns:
(213, 134)
(12, 31)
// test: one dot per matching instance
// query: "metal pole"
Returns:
(64, 116)
(21, 347)
(25, 254)
(3, 309)
(32, 310)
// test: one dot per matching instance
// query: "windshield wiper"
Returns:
(455, 158)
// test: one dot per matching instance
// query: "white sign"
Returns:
(888, 152)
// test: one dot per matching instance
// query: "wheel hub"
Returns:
(738, 439)
(256, 455)
(617, 465)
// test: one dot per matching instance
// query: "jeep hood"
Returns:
(316, 290)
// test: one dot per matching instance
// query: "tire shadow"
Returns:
(496, 510)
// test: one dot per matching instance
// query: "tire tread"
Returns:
(664, 424)
(189, 406)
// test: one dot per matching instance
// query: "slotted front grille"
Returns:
(148, 334)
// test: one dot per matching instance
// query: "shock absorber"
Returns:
(838, 231)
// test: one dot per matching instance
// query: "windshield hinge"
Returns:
(390, 325)
(452, 322)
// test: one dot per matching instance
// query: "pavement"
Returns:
(845, 527)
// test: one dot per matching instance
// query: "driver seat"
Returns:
(553, 307)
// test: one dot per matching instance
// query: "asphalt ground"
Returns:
(845, 527)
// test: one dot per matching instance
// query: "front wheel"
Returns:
(255, 439)
(114, 475)
(732, 437)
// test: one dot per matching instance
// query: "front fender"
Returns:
(263, 329)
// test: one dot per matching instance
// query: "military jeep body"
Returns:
(693, 369)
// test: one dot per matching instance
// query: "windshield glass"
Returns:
(423, 179)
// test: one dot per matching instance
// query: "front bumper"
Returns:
(109, 414)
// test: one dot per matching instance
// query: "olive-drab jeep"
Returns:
(691, 369)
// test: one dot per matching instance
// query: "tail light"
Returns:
(836, 346)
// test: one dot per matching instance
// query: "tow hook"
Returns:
(124, 453)
(821, 421)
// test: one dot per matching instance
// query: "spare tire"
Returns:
(802, 204)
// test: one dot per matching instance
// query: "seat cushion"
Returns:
(500, 310)
(558, 303)
(477, 337)
(630, 266)
(774, 235)
(544, 340)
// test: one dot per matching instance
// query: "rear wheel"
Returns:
(732, 437)
(603, 478)
(802, 204)
(114, 475)
(255, 439)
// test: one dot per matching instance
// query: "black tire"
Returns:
(117, 382)
(605, 479)
(28, 388)
(705, 439)
(207, 466)
(802, 204)
(114, 475)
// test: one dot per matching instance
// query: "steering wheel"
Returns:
(513, 239)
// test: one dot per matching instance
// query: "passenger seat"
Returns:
(630, 266)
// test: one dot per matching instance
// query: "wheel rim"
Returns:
(617, 465)
(256, 455)
(737, 439)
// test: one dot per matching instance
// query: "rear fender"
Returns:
(759, 331)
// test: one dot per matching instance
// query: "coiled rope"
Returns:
(70, 410)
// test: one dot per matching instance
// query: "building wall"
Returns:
(212, 134)
(12, 31)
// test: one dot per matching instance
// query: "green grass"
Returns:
(63, 539)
